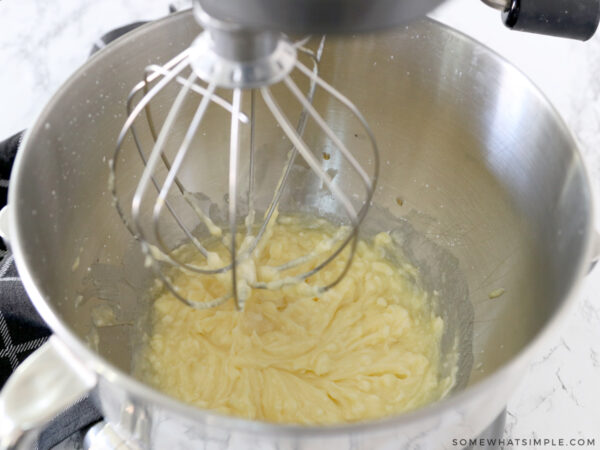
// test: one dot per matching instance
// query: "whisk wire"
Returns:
(234, 148)
(250, 198)
(129, 126)
(328, 131)
(305, 152)
(310, 159)
(174, 169)
(155, 155)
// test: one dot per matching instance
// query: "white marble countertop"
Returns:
(42, 43)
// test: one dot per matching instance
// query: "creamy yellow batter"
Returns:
(367, 348)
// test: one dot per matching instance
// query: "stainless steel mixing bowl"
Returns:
(495, 196)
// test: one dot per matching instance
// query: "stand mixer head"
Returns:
(319, 16)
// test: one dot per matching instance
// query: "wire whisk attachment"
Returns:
(229, 83)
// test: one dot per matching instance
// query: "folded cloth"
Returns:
(22, 330)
